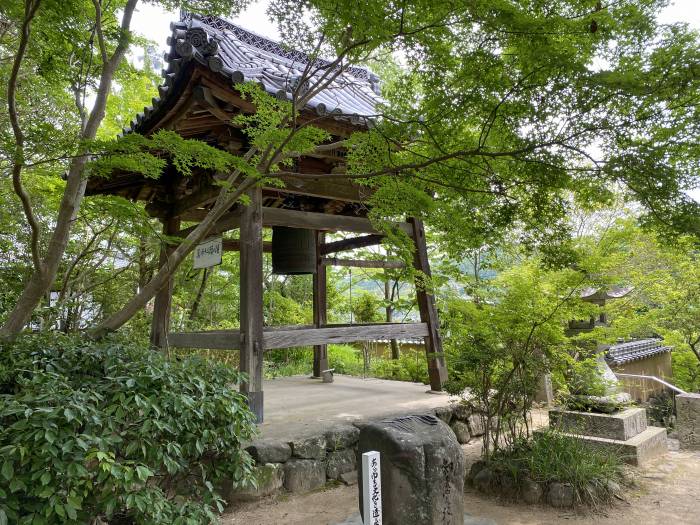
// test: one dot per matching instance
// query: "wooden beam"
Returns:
(295, 219)
(351, 243)
(287, 337)
(343, 334)
(160, 323)
(204, 96)
(229, 221)
(320, 307)
(251, 299)
(322, 221)
(234, 245)
(334, 189)
(437, 369)
(356, 263)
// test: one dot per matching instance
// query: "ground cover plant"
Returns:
(115, 431)
(596, 476)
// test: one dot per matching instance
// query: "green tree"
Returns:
(498, 349)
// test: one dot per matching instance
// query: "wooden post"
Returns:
(320, 307)
(160, 324)
(437, 370)
(251, 352)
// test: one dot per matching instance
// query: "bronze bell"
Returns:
(293, 251)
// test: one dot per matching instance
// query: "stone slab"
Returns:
(688, 421)
(304, 475)
(622, 425)
(636, 451)
(269, 451)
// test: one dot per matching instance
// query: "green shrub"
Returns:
(553, 457)
(115, 431)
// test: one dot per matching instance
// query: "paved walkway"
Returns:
(298, 406)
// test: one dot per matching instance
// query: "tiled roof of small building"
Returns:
(241, 55)
(621, 353)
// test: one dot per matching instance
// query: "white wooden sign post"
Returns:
(208, 253)
(371, 488)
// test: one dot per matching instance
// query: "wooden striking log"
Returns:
(351, 243)
(286, 337)
(437, 369)
(356, 263)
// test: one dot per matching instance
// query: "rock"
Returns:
(303, 475)
(340, 462)
(476, 467)
(508, 485)
(613, 487)
(531, 491)
(269, 479)
(476, 425)
(560, 495)
(461, 431)
(483, 480)
(309, 448)
(604, 404)
(422, 468)
(342, 437)
(269, 452)
(349, 478)
(462, 411)
(444, 413)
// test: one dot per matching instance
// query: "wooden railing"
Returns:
(286, 337)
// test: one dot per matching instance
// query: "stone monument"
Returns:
(422, 470)
(610, 422)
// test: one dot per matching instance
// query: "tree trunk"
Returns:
(200, 294)
(173, 261)
(43, 277)
(388, 297)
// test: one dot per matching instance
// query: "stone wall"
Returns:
(305, 464)
(688, 420)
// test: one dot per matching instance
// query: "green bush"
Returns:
(116, 431)
(553, 457)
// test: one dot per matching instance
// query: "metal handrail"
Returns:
(654, 378)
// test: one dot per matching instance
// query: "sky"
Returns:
(153, 22)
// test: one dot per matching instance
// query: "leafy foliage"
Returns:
(499, 351)
(118, 431)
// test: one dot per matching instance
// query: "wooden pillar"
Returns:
(251, 353)
(320, 307)
(160, 324)
(437, 370)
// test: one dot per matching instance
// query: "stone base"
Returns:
(622, 425)
(636, 451)
(688, 421)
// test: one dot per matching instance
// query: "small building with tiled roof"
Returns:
(208, 60)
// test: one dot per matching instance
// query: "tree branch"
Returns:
(30, 9)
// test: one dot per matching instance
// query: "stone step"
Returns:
(637, 450)
(621, 425)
